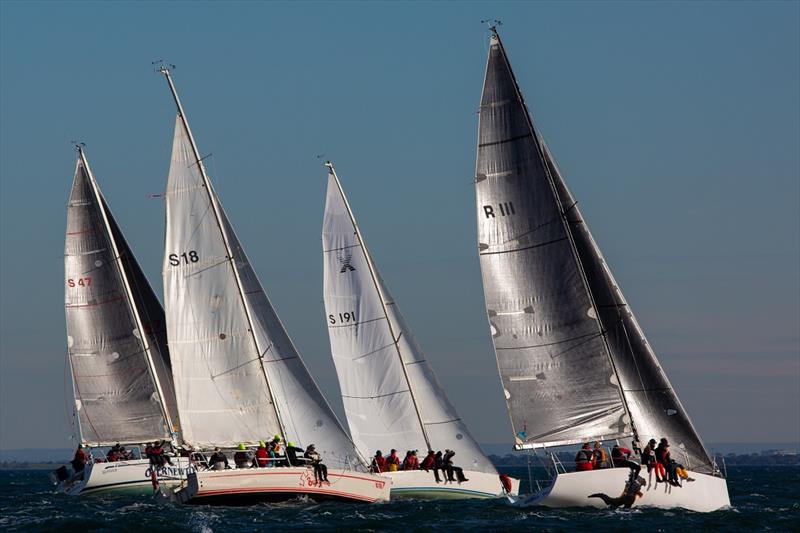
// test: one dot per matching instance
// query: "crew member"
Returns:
(218, 461)
(429, 463)
(620, 458)
(393, 462)
(262, 456)
(411, 462)
(600, 456)
(450, 468)
(80, 459)
(378, 464)
(291, 454)
(584, 459)
(242, 458)
(320, 470)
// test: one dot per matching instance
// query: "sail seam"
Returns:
(525, 248)
(593, 335)
(356, 245)
(375, 397)
(512, 139)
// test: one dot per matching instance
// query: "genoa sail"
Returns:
(115, 328)
(237, 374)
(391, 395)
(544, 277)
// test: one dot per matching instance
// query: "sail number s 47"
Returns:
(79, 282)
(184, 258)
(342, 318)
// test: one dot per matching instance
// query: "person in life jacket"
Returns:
(320, 470)
(649, 459)
(621, 458)
(276, 451)
(600, 455)
(242, 457)
(80, 459)
(262, 456)
(584, 459)
(411, 462)
(291, 454)
(429, 463)
(392, 462)
(218, 461)
(663, 459)
(378, 464)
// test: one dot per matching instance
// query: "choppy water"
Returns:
(766, 499)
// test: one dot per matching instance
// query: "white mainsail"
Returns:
(391, 396)
(238, 376)
(572, 358)
(115, 328)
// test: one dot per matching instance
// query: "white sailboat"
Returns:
(574, 362)
(238, 377)
(391, 396)
(116, 348)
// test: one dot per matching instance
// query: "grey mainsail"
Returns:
(574, 363)
(115, 328)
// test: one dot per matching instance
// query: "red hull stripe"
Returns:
(367, 479)
(293, 490)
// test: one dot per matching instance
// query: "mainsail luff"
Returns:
(211, 196)
(373, 275)
(117, 424)
(391, 395)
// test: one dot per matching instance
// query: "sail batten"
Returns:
(391, 396)
(537, 255)
(116, 344)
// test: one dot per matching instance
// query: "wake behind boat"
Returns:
(574, 363)
(391, 396)
(237, 375)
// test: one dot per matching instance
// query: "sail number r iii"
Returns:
(184, 258)
(342, 318)
(503, 209)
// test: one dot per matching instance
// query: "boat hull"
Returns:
(573, 489)
(250, 485)
(124, 476)
(420, 484)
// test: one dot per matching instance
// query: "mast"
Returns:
(374, 278)
(567, 230)
(129, 295)
(218, 219)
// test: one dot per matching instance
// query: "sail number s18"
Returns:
(342, 318)
(185, 258)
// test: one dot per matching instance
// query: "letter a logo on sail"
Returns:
(344, 260)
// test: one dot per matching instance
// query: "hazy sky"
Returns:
(677, 126)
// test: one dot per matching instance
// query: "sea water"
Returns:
(763, 499)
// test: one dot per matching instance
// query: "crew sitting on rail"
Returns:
(392, 462)
(276, 451)
(320, 470)
(620, 457)
(600, 455)
(291, 454)
(218, 461)
(411, 462)
(80, 459)
(262, 455)
(429, 463)
(649, 459)
(450, 468)
(584, 459)
(242, 457)
(378, 464)
(666, 463)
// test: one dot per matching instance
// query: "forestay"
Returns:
(543, 277)
(115, 328)
(391, 396)
(558, 380)
(238, 376)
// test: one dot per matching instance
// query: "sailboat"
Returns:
(391, 396)
(116, 348)
(574, 363)
(238, 377)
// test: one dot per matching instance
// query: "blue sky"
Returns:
(677, 126)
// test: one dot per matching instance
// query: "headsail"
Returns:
(237, 374)
(543, 269)
(121, 377)
(390, 393)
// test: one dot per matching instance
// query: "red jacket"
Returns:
(379, 463)
(262, 456)
(429, 462)
(411, 463)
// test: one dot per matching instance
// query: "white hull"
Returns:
(704, 494)
(422, 484)
(128, 476)
(250, 485)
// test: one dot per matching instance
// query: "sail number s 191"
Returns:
(342, 318)
(184, 259)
